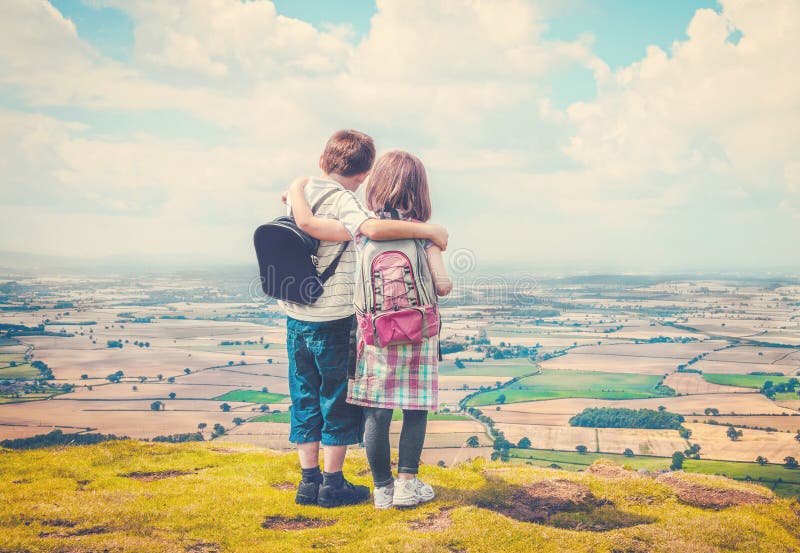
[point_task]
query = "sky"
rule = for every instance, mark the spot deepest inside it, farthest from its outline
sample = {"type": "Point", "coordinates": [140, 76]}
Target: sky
{"type": "Point", "coordinates": [569, 135]}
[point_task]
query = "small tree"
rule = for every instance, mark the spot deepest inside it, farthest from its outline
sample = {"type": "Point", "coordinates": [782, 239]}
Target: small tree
{"type": "Point", "coordinates": [797, 436]}
{"type": "Point", "coordinates": [156, 406]}
{"type": "Point", "coordinates": [440, 463]}
{"type": "Point", "coordinates": [628, 452]}
{"type": "Point", "coordinates": [238, 420]}
{"type": "Point", "coordinates": [171, 380]}
{"type": "Point", "coordinates": [135, 388]}
{"type": "Point", "coordinates": [172, 395]}
{"type": "Point", "coordinates": [677, 461]}
{"type": "Point", "coordinates": [761, 460]}
{"type": "Point", "coordinates": [501, 399]}
{"type": "Point", "coordinates": [264, 390]}
{"type": "Point", "coordinates": [790, 462]}
{"type": "Point", "coordinates": [734, 434]}
{"type": "Point", "coordinates": [187, 370]}
{"type": "Point", "coordinates": [581, 449]}
{"type": "Point", "coordinates": [219, 430]}
{"type": "Point", "coordinates": [201, 426]}
{"type": "Point", "coordinates": [84, 377]}
{"type": "Point", "coordinates": [472, 441]}
{"type": "Point", "coordinates": [225, 407]}
{"type": "Point", "coordinates": [524, 443]}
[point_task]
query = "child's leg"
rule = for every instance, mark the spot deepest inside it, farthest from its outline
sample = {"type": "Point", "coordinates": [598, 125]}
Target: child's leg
{"type": "Point", "coordinates": [376, 442]}
{"type": "Point", "coordinates": [412, 438]}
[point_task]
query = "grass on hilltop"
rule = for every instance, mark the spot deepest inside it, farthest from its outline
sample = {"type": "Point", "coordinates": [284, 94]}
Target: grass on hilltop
{"type": "Point", "coordinates": [202, 497]}
{"type": "Point", "coordinates": [785, 482]}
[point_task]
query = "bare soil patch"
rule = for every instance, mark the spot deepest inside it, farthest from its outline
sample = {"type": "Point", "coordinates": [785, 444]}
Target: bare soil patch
{"type": "Point", "coordinates": [434, 522]}
{"type": "Point", "coordinates": [283, 486]}
{"type": "Point", "coordinates": [150, 476]}
{"type": "Point", "coordinates": [74, 533]}
{"type": "Point", "coordinates": [563, 504]}
{"type": "Point", "coordinates": [289, 524]}
{"type": "Point", "coordinates": [707, 497]}
{"type": "Point", "coordinates": [203, 547]}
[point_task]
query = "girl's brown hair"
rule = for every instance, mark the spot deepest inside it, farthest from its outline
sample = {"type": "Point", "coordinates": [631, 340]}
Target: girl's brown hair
{"type": "Point", "coordinates": [399, 181]}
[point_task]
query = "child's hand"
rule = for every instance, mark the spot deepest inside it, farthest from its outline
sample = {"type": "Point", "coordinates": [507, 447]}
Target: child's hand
{"type": "Point", "coordinates": [440, 236]}
{"type": "Point", "coordinates": [299, 182]}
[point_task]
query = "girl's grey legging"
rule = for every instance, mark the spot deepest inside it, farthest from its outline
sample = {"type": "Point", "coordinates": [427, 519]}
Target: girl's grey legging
{"type": "Point", "coordinates": [376, 441]}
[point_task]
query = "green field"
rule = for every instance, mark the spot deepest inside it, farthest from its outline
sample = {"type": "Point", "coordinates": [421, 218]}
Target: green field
{"type": "Point", "coordinates": [554, 384]}
{"type": "Point", "coordinates": [743, 380]}
{"type": "Point", "coordinates": [252, 396]}
{"type": "Point", "coordinates": [519, 367]}
{"type": "Point", "coordinates": [786, 396]}
{"type": "Point", "coordinates": [784, 482]}
{"type": "Point", "coordinates": [283, 417]}
{"type": "Point", "coordinates": [23, 371]}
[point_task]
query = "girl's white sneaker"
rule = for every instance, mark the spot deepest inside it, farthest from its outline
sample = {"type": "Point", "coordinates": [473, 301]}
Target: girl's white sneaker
{"type": "Point", "coordinates": [424, 491]}
{"type": "Point", "coordinates": [405, 493]}
{"type": "Point", "coordinates": [384, 496]}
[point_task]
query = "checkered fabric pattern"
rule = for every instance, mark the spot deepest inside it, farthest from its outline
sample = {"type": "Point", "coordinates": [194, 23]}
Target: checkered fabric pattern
{"type": "Point", "coordinates": [403, 376]}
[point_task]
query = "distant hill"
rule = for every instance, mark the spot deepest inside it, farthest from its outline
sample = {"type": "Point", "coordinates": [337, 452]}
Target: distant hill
{"type": "Point", "coordinates": [211, 497]}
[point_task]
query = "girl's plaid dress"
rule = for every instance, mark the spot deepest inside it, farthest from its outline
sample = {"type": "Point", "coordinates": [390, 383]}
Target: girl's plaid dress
{"type": "Point", "coordinates": [403, 376]}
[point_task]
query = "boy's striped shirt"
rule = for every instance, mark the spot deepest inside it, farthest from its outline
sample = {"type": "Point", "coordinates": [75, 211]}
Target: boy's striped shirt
{"type": "Point", "coordinates": [336, 301]}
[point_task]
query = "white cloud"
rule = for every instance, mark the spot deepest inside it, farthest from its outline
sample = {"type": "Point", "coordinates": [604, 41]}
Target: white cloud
{"type": "Point", "coordinates": [461, 83]}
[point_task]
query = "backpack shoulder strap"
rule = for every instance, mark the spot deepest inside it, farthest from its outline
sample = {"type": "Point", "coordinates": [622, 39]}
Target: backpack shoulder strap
{"type": "Point", "coordinates": [331, 268]}
{"type": "Point", "coordinates": [319, 202]}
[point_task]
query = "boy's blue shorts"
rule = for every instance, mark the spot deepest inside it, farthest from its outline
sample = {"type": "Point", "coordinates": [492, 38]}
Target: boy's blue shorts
{"type": "Point", "coordinates": [320, 355]}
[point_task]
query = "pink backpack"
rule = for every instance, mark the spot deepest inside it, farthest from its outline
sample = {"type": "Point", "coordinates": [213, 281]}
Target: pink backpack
{"type": "Point", "coordinates": [395, 297]}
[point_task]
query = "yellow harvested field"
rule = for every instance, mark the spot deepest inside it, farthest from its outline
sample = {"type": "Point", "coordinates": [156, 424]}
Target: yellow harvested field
{"type": "Point", "coordinates": [521, 417]}
{"type": "Point", "coordinates": [750, 354]}
{"type": "Point", "coordinates": [123, 418]}
{"type": "Point", "coordinates": [449, 382]}
{"type": "Point", "coordinates": [693, 383]}
{"type": "Point", "coordinates": [11, 432]}
{"type": "Point", "coordinates": [564, 438]}
{"type": "Point", "coordinates": [153, 391]}
{"type": "Point", "coordinates": [753, 403]}
{"type": "Point", "coordinates": [730, 367]}
{"type": "Point", "coordinates": [445, 427]}
{"type": "Point", "coordinates": [641, 441]}
{"type": "Point", "coordinates": [715, 444]}
{"type": "Point", "coordinates": [454, 455]}
{"type": "Point", "coordinates": [782, 423]}
{"type": "Point", "coordinates": [613, 363]}
{"type": "Point", "coordinates": [678, 351]}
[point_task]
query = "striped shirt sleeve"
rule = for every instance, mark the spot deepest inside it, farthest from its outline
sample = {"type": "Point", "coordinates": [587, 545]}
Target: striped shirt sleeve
{"type": "Point", "coordinates": [350, 212]}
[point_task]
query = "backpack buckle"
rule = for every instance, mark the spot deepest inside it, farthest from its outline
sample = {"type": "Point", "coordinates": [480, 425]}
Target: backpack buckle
{"type": "Point", "coordinates": [315, 260]}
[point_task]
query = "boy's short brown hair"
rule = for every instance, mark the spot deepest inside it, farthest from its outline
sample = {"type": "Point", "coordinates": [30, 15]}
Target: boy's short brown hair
{"type": "Point", "coordinates": [348, 153]}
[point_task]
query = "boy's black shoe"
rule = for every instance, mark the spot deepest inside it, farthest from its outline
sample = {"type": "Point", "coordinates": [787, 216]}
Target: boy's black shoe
{"type": "Point", "coordinates": [307, 493]}
{"type": "Point", "coordinates": [346, 494]}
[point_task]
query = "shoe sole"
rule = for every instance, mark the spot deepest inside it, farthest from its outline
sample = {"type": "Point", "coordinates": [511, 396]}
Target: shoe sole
{"type": "Point", "coordinates": [411, 503]}
{"type": "Point", "coordinates": [332, 504]}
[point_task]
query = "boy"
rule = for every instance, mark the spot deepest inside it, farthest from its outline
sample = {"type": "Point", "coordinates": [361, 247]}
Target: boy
{"type": "Point", "coordinates": [320, 338]}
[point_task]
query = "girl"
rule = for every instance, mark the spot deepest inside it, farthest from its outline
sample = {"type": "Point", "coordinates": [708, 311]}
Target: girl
{"type": "Point", "coordinates": [399, 376]}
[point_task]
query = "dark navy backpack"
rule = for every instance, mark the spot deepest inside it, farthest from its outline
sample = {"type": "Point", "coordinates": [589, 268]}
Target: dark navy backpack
{"type": "Point", "coordinates": [287, 260]}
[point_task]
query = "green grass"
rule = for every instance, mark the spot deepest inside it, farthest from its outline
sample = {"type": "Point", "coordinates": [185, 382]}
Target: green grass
{"type": "Point", "coordinates": [785, 482]}
{"type": "Point", "coordinates": [786, 396]}
{"type": "Point", "coordinates": [252, 396]}
{"type": "Point", "coordinates": [283, 417]}
{"type": "Point", "coordinates": [20, 372]}
{"type": "Point", "coordinates": [519, 367]}
{"type": "Point", "coordinates": [743, 380]}
{"type": "Point", "coordinates": [213, 498]}
{"type": "Point", "coordinates": [554, 384]}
